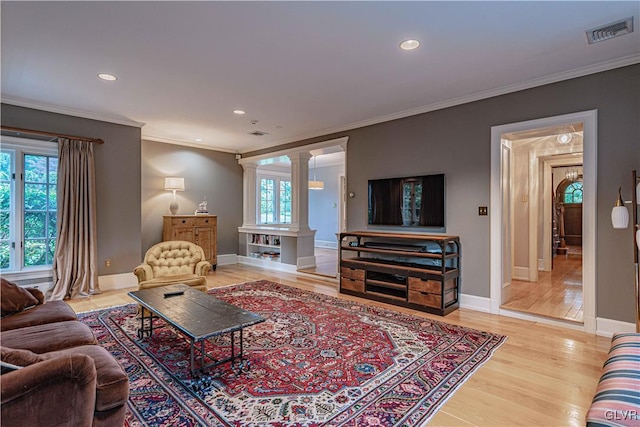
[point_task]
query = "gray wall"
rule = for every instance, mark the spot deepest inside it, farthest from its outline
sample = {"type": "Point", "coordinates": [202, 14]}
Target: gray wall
{"type": "Point", "coordinates": [457, 141]}
{"type": "Point", "coordinates": [117, 163]}
{"type": "Point", "coordinates": [323, 205]}
{"type": "Point", "coordinates": [211, 174]}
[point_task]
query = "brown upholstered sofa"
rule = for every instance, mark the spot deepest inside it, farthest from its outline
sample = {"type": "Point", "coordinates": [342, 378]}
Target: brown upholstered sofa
{"type": "Point", "coordinates": [171, 262]}
{"type": "Point", "coordinates": [53, 373]}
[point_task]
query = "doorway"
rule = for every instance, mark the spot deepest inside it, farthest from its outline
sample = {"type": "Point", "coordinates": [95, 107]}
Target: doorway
{"type": "Point", "coordinates": [327, 212]}
{"type": "Point", "coordinates": [533, 262]}
{"type": "Point", "coordinates": [556, 291]}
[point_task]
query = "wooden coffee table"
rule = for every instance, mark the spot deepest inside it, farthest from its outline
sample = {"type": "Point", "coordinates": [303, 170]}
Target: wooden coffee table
{"type": "Point", "coordinates": [198, 316]}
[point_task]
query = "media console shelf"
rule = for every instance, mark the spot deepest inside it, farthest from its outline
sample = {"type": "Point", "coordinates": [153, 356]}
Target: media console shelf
{"type": "Point", "coordinates": [418, 271]}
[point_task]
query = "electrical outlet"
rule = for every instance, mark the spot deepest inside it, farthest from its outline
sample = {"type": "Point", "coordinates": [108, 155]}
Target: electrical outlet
{"type": "Point", "coordinates": [107, 263]}
{"type": "Point", "coordinates": [483, 210]}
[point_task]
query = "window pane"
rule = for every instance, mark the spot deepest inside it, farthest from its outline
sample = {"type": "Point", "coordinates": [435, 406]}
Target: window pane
{"type": "Point", "coordinates": [4, 225]}
{"type": "Point", "coordinates": [5, 196]}
{"type": "Point", "coordinates": [53, 198]}
{"type": "Point", "coordinates": [35, 168]}
{"type": "Point", "coordinates": [35, 197]}
{"type": "Point", "coordinates": [267, 200]}
{"type": "Point", "coordinates": [34, 224]}
{"type": "Point", "coordinates": [51, 226]}
{"type": "Point", "coordinates": [577, 196]}
{"type": "Point", "coordinates": [285, 202]}
{"type": "Point", "coordinates": [4, 254]}
{"type": "Point", "coordinates": [35, 252]}
{"type": "Point", "coordinates": [53, 170]}
{"type": "Point", "coordinates": [51, 249]}
{"type": "Point", "coordinates": [5, 166]}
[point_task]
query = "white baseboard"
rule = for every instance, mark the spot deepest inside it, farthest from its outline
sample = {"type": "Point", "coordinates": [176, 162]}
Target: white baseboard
{"type": "Point", "coordinates": [473, 302]}
{"type": "Point", "coordinates": [326, 244]}
{"type": "Point", "coordinates": [264, 263]}
{"type": "Point", "coordinates": [541, 266]}
{"type": "Point", "coordinates": [227, 259]}
{"type": "Point", "coordinates": [117, 281]}
{"type": "Point", "coordinates": [306, 262]}
{"type": "Point", "coordinates": [521, 273]}
{"type": "Point", "coordinates": [607, 327]}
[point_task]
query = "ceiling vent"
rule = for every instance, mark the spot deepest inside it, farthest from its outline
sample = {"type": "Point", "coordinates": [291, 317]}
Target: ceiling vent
{"type": "Point", "coordinates": [258, 133]}
{"type": "Point", "coordinates": [609, 31]}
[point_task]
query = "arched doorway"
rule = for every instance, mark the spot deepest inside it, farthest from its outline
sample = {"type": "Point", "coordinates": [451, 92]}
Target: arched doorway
{"type": "Point", "coordinates": [568, 216]}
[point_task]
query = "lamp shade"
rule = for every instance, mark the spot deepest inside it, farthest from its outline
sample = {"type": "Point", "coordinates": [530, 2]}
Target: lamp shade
{"type": "Point", "coordinates": [316, 185]}
{"type": "Point", "coordinates": [174, 183]}
{"type": "Point", "coordinates": [620, 217]}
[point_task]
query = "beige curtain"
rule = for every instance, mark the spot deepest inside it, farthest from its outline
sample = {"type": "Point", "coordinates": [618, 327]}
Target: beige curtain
{"type": "Point", "coordinates": [75, 266]}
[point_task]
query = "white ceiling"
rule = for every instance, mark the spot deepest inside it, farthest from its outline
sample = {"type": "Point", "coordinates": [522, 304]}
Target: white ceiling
{"type": "Point", "coordinates": [301, 69]}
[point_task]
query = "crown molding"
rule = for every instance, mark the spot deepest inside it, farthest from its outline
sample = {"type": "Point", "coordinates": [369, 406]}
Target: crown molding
{"type": "Point", "coordinates": [503, 90]}
{"type": "Point", "coordinates": [20, 102]}
{"type": "Point", "coordinates": [187, 144]}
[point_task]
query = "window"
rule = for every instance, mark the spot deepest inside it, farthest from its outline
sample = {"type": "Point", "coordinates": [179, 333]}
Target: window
{"type": "Point", "coordinates": [573, 193]}
{"type": "Point", "coordinates": [28, 204]}
{"type": "Point", "coordinates": [274, 200]}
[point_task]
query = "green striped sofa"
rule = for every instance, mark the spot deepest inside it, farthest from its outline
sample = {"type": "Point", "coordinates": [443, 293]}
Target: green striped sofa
{"type": "Point", "coordinates": [617, 399]}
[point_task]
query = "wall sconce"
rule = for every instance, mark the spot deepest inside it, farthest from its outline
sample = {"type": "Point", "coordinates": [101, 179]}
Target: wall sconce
{"type": "Point", "coordinates": [619, 213]}
{"type": "Point", "coordinates": [174, 184]}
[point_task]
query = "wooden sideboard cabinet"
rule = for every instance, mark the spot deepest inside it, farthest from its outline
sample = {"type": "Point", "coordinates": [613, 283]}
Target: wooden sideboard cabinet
{"type": "Point", "coordinates": [411, 270]}
{"type": "Point", "coordinates": [198, 229]}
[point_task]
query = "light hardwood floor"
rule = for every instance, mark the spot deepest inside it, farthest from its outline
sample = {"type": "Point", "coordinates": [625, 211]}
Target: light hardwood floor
{"type": "Point", "coordinates": [541, 376]}
{"type": "Point", "coordinates": [557, 294]}
{"type": "Point", "coordinates": [326, 263]}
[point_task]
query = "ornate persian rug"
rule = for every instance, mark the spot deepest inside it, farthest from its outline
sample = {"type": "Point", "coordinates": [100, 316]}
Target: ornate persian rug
{"type": "Point", "coordinates": [316, 361]}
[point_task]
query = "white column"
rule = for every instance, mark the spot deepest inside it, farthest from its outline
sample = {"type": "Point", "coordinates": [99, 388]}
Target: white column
{"type": "Point", "coordinates": [300, 191]}
{"type": "Point", "coordinates": [249, 186]}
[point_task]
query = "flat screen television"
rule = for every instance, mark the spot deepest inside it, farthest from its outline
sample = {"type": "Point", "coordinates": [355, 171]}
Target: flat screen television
{"type": "Point", "coordinates": [415, 201]}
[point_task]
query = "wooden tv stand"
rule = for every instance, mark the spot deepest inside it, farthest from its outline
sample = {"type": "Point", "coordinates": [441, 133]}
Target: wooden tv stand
{"type": "Point", "coordinates": [417, 271]}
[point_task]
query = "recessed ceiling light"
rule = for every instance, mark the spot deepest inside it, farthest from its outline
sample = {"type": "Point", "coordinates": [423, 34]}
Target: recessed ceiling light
{"type": "Point", "coordinates": [198, 139]}
{"type": "Point", "coordinates": [564, 138]}
{"type": "Point", "coordinates": [240, 112]}
{"type": "Point", "coordinates": [409, 44]}
{"type": "Point", "coordinates": [108, 77]}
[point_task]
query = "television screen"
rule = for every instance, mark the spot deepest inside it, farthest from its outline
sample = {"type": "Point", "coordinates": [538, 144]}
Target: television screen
{"type": "Point", "coordinates": [416, 201]}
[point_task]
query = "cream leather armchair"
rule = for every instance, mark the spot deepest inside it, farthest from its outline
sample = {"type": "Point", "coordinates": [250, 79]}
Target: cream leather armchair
{"type": "Point", "coordinates": [175, 261]}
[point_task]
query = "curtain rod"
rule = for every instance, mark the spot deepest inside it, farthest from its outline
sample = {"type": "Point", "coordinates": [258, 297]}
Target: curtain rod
{"type": "Point", "coordinates": [57, 135]}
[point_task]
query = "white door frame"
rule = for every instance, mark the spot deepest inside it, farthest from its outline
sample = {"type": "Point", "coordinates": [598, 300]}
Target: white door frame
{"type": "Point", "coordinates": [590, 141]}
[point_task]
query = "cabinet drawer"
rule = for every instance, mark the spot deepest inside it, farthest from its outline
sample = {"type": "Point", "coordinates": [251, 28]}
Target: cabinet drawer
{"type": "Point", "coordinates": [430, 286]}
{"type": "Point", "coordinates": [183, 222]}
{"type": "Point", "coordinates": [420, 298]}
{"type": "Point", "coordinates": [352, 273]}
{"type": "Point", "coordinates": [205, 221]}
{"type": "Point", "coordinates": [352, 284]}
{"type": "Point", "coordinates": [424, 285]}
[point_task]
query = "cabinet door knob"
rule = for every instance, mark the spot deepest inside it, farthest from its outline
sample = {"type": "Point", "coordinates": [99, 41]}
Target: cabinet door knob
{"type": "Point", "coordinates": [184, 220]}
